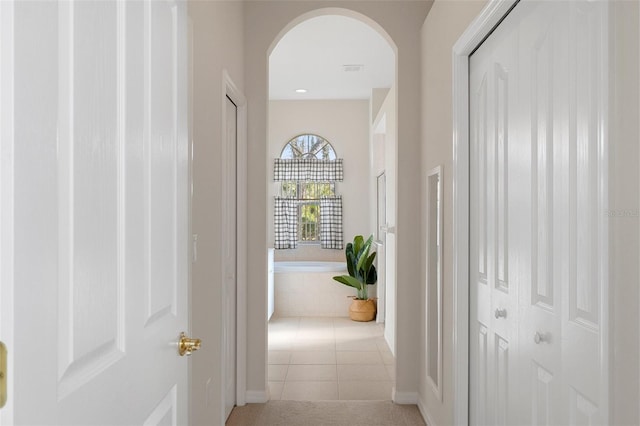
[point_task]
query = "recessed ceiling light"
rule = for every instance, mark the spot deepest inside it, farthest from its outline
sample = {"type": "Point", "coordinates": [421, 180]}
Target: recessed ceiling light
{"type": "Point", "coordinates": [301, 90]}
{"type": "Point", "coordinates": [352, 67]}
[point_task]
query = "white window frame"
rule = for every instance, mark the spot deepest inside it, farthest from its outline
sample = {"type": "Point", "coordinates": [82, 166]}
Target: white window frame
{"type": "Point", "coordinates": [303, 201]}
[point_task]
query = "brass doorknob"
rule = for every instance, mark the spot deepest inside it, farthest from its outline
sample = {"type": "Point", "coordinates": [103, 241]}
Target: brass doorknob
{"type": "Point", "coordinates": [186, 345]}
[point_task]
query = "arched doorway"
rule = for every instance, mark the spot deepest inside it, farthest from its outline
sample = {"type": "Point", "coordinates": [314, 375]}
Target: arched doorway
{"type": "Point", "coordinates": [268, 22]}
{"type": "Point", "coordinates": [331, 72]}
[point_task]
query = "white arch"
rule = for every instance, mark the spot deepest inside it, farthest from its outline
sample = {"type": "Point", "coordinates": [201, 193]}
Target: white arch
{"type": "Point", "coordinates": [340, 11]}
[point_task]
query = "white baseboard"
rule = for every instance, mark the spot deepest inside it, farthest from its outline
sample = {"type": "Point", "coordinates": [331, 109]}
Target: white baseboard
{"type": "Point", "coordinates": [425, 413]}
{"type": "Point", "coordinates": [404, 398]}
{"type": "Point", "coordinates": [257, 397]}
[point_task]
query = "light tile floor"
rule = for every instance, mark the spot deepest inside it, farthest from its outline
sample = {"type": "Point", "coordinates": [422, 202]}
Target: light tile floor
{"type": "Point", "coordinates": [313, 359]}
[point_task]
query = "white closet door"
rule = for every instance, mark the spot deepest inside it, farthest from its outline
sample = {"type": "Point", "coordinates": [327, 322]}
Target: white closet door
{"type": "Point", "coordinates": [100, 202]}
{"type": "Point", "coordinates": [495, 206]}
{"type": "Point", "coordinates": [537, 111]}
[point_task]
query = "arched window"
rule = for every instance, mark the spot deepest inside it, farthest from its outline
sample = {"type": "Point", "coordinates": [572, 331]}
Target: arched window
{"type": "Point", "coordinates": [308, 193]}
{"type": "Point", "coordinates": [308, 146]}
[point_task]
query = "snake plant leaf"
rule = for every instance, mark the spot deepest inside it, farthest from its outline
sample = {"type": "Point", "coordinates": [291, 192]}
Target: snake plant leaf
{"type": "Point", "coordinates": [350, 281]}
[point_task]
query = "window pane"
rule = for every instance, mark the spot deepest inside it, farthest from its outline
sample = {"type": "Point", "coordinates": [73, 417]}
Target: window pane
{"type": "Point", "coordinates": [289, 189]}
{"type": "Point", "coordinates": [326, 189]}
{"type": "Point", "coordinates": [314, 190]}
{"type": "Point", "coordinates": [287, 152]}
{"type": "Point", "coordinates": [308, 146]}
{"type": "Point", "coordinates": [309, 215]}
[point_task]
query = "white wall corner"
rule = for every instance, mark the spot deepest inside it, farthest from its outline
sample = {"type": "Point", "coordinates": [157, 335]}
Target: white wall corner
{"type": "Point", "coordinates": [424, 411]}
{"type": "Point", "coordinates": [257, 397]}
{"type": "Point", "coordinates": [404, 398]}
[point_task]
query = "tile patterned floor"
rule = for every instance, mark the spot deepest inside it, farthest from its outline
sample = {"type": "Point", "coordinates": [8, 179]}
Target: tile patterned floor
{"type": "Point", "coordinates": [315, 359]}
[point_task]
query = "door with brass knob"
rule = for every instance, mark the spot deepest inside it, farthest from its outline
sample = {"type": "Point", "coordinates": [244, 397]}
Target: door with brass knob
{"type": "Point", "coordinates": [187, 345]}
{"type": "Point", "coordinates": [90, 312]}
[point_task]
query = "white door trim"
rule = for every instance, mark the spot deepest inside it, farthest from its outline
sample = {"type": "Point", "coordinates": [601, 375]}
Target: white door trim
{"type": "Point", "coordinates": [479, 29]}
{"type": "Point", "coordinates": [230, 89]}
{"type": "Point", "coordinates": [475, 34]}
{"type": "Point", "coordinates": [6, 195]}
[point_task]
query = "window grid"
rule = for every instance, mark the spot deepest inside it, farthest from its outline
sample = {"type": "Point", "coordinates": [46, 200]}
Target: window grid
{"type": "Point", "coordinates": [308, 195]}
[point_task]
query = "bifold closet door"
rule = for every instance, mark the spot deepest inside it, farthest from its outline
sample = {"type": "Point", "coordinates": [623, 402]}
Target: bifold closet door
{"type": "Point", "coordinates": [537, 96]}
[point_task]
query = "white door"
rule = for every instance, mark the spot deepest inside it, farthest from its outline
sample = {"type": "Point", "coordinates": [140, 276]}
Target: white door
{"type": "Point", "coordinates": [98, 192]}
{"type": "Point", "coordinates": [536, 255]}
{"type": "Point", "coordinates": [494, 231]}
{"type": "Point", "coordinates": [230, 233]}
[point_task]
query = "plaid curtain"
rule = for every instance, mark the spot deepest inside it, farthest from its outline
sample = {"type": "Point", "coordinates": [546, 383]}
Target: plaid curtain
{"type": "Point", "coordinates": [286, 222]}
{"type": "Point", "coordinates": [307, 169]}
{"type": "Point", "coordinates": [331, 222]}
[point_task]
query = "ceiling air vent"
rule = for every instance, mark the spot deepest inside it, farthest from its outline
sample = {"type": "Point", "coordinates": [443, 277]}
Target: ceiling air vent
{"type": "Point", "coordinates": [352, 67]}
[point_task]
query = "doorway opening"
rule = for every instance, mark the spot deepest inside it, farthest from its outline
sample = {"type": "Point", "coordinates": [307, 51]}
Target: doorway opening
{"type": "Point", "coordinates": [333, 76]}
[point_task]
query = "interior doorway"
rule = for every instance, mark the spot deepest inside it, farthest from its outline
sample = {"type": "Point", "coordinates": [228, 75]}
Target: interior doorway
{"type": "Point", "coordinates": [234, 234]}
{"type": "Point", "coordinates": [318, 84]}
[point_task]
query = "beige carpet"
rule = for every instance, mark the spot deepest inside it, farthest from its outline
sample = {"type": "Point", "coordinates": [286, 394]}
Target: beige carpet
{"type": "Point", "coordinates": [326, 413]}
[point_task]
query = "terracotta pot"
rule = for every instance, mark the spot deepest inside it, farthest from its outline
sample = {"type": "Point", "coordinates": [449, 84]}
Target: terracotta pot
{"type": "Point", "coordinates": [362, 310]}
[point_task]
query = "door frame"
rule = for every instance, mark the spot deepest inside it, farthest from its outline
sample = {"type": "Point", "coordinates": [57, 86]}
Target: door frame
{"type": "Point", "coordinates": [231, 90]}
{"type": "Point", "coordinates": [488, 19]}
{"type": "Point", "coordinates": [7, 144]}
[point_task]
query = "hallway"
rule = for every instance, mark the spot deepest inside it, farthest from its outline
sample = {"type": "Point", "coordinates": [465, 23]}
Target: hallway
{"type": "Point", "coordinates": [314, 359]}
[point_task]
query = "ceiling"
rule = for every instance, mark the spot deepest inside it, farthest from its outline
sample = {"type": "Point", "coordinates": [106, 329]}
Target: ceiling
{"type": "Point", "coordinates": [313, 55]}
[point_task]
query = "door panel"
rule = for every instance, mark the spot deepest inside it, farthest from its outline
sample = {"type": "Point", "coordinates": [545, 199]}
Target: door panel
{"type": "Point", "coordinates": [536, 88]}
{"type": "Point", "coordinates": [100, 200]}
{"type": "Point", "coordinates": [502, 381]}
{"type": "Point", "coordinates": [90, 229]}
{"type": "Point", "coordinates": [501, 139]}
{"type": "Point", "coordinates": [161, 144]}
{"type": "Point", "coordinates": [541, 395]}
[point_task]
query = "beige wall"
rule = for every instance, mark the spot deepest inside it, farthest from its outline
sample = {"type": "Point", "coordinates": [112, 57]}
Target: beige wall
{"type": "Point", "coordinates": [345, 124]}
{"type": "Point", "coordinates": [446, 22]}
{"type": "Point", "coordinates": [216, 40]}
{"type": "Point", "coordinates": [624, 276]}
{"type": "Point", "coordinates": [265, 22]}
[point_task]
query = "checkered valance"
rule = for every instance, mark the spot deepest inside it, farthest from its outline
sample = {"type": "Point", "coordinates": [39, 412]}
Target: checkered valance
{"type": "Point", "coordinates": [331, 222]}
{"type": "Point", "coordinates": [307, 169]}
{"type": "Point", "coordinates": [285, 222]}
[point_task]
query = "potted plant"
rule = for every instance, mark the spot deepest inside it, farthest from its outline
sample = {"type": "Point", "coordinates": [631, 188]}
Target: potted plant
{"type": "Point", "coordinates": [362, 273]}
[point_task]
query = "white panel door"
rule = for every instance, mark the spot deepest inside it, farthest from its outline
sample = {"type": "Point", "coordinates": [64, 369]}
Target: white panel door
{"type": "Point", "coordinates": [99, 200]}
{"type": "Point", "coordinates": [494, 232]}
{"type": "Point", "coordinates": [537, 111]}
{"type": "Point", "coordinates": [230, 244]}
